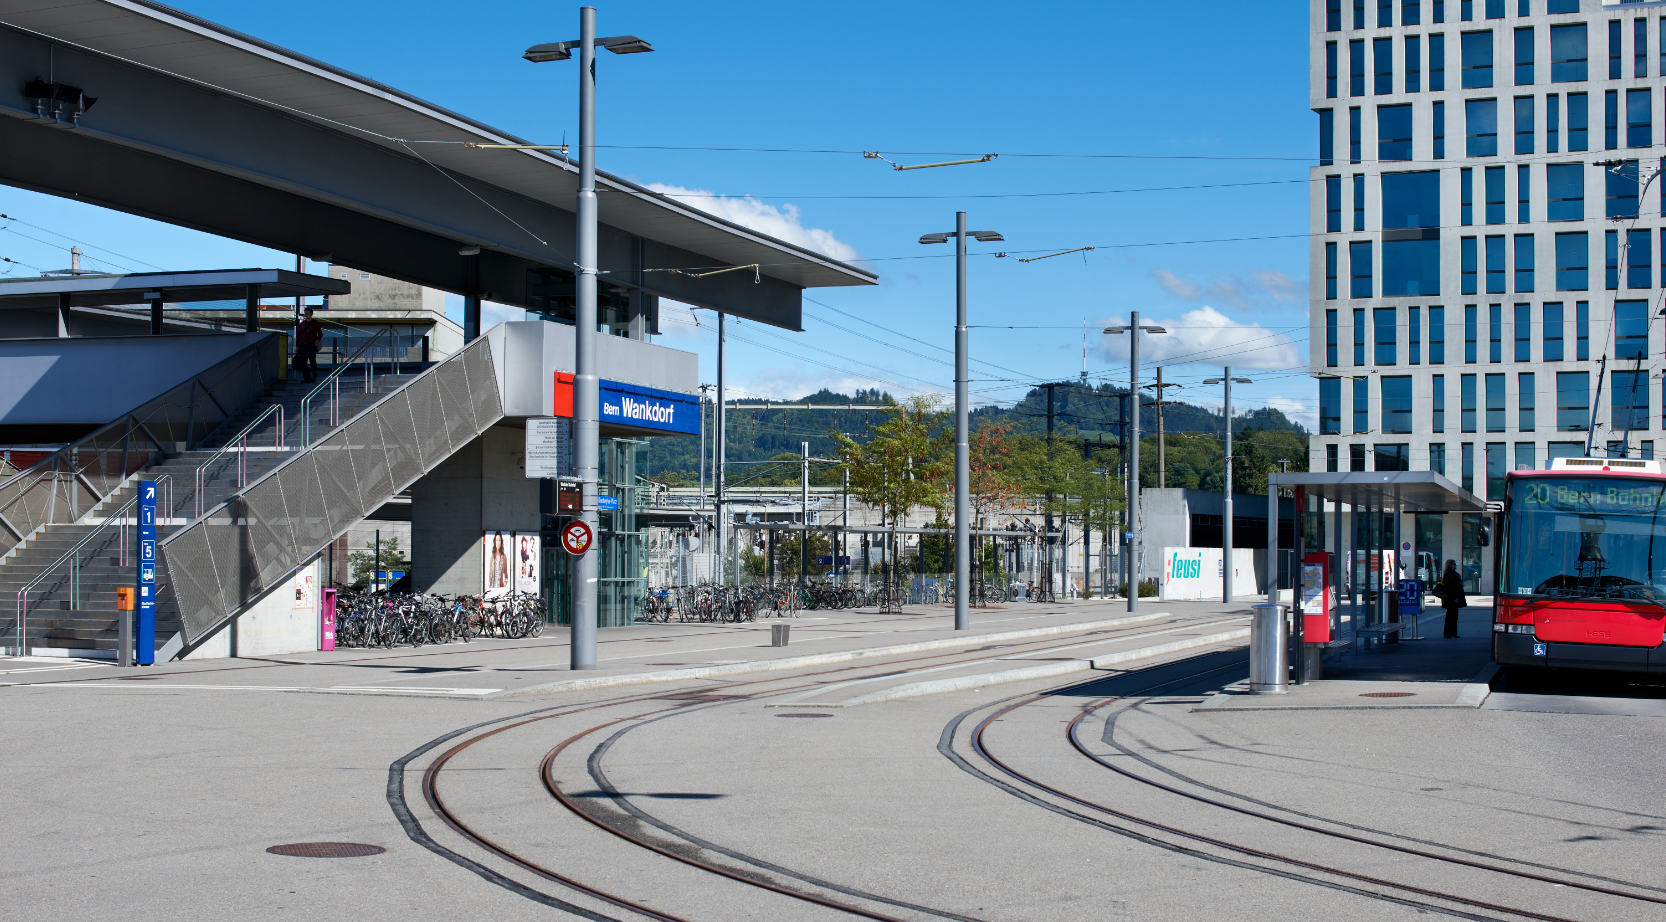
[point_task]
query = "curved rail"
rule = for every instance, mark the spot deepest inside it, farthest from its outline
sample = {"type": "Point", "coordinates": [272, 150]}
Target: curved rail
{"type": "Point", "coordinates": [332, 383]}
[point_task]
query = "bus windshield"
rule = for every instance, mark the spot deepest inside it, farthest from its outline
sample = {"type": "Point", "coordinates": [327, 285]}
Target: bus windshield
{"type": "Point", "coordinates": [1587, 537]}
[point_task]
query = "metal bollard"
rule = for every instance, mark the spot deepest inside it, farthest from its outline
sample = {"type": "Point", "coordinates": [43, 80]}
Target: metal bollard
{"type": "Point", "coordinates": [778, 634]}
{"type": "Point", "coordinates": [1269, 653]}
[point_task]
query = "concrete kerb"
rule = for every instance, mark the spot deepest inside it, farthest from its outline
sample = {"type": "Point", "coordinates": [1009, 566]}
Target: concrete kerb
{"type": "Point", "coordinates": [1473, 694]}
{"type": "Point", "coordinates": [963, 683]}
{"type": "Point", "coordinates": [818, 659]}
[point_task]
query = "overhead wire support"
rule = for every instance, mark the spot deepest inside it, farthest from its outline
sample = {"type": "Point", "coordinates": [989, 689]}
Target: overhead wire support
{"type": "Point", "coordinates": [474, 145]}
{"type": "Point", "coordinates": [1032, 259]}
{"type": "Point", "coordinates": [757, 271]}
{"type": "Point", "coordinates": [875, 155]}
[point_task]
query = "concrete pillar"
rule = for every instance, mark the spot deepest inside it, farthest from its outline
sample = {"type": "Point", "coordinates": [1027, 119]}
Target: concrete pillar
{"type": "Point", "coordinates": [481, 488]}
{"type": "Point", "coordinates": [251, 309]}
{"type": "Point", "coordinates": [156, 316]}
{"type": "Point", "coordinates": [63, 315]}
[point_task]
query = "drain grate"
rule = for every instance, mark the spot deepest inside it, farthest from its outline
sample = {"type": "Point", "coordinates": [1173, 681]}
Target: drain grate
{"type": "Point", "coordinates": [1388, 694]}
{"type": "Point", "coordinates": [327, 850]}
{"type": "Point", "coordinates": [803, 715]}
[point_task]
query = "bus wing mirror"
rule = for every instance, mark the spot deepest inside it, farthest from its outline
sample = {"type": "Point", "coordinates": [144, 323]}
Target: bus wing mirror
{"type": "Point", "coordinates": [1483, 535]}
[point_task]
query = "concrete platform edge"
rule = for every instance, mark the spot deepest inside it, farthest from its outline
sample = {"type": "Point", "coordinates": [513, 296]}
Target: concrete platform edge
{"type": "Point", "coordinates": [1472, 696]}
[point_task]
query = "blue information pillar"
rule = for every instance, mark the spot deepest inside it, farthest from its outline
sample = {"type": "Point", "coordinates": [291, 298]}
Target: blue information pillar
{"type": "Point", "coordinates": [145, 629]}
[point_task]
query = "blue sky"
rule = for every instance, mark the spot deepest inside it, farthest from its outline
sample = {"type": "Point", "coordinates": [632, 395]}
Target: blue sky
{"type": "Point", "coordinates": [1223, 80]}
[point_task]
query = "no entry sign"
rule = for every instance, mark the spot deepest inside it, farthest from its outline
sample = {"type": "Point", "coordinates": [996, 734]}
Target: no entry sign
{"type": "Point", "coordinates": [576, 538]}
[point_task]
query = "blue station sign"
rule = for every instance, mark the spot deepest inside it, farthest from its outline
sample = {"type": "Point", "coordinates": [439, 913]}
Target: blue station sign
{"type": "Point", "coordinates": [649, 408]}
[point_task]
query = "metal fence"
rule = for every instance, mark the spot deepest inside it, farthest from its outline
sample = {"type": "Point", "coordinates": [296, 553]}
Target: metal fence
{"type": "Point", "coordinates": [236, 552]}
{"type": "Point", "coordinates": [72, 481]}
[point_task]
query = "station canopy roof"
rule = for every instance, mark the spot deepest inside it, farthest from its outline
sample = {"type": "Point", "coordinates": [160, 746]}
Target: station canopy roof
{"type": "Point", "coordinates": [1406, 491]}
{"type": "Point", "coordinates": [98, 290]}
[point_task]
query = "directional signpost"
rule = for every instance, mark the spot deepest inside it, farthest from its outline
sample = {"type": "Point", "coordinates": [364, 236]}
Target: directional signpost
{"type": "Point", "coordinates": [145, 630]}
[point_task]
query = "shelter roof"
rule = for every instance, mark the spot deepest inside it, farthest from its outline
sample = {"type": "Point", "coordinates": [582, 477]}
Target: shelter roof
{"type": "Point", "coordinates": [99, 290]}
{"type": "Point", "coordinates": [1406, 491]}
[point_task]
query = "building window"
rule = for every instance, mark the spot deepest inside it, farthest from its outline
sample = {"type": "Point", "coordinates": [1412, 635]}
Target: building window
{"type": "Point", "coordinates": [1553, 331]}
{"type": "Point", "coordinates": [1410, 14]}
{"type": "Point", "coordinates": [1495, 403]}
{"type": "Point", "coordinates": [1524, 332]}
{"type": "Point", "coordinates": [1356, 457]}
{"type": "Point", "coordinates": [1611, 249]}
{"type": "Point", "coordinates": [1579, 120]}
{"type": "Point", "coordinates": [1466, 467]}
{"type": "Point", "coordinates": [1524, 57]}
{"type": "Point", "coordinates": [1411, 199]}
{"type": "Point", "coordinates": [1639, 259]}
{"type": "Point", "coordinates": [1437, 335]}
{"type": "Point", "coordinates": [1629, 407]}
{"type": "Point", "coordinates": [1582, 331]}
{"type": "Point", "coordinates": [1565, 192]}
{"type": "Point", "coordinates": [1392, 457]}
{"type": "Point", "coordinates": [1437, 459]}
{"type": "Point", "coordinates": [1437, 63]}
{"type": "Point", "coordinates": [1385, 14]}
{"type": "Point", "coordinates": [1394, 132]}
{"type": "Point", "coordinates": [1411, 268]}
{"type": "Point", "coordinates": [1330, 457]}
{"type": "Point", "coordinates": [1359, 201]}
{"type": "Point", "coordinates": [1614, 50]}
{"type": "Point", "coordinates": [1438, 419]}
{"type": "Point", "coordinates": [1645, 449]}
{"type": "Point", "coordinates": [1466, 196]}
{"type": "Point", "coordinates": [1469, 334]}
{"type": "Point", "coordinates": [1466, 403]}
{"type": "Point", "coordinates": [1327, 136]}
{"type": "Point", "coordinates": [1382, 60]}
{"type": "Point", "coordinates": [1495, 194]}
{"type": "Point", "coordinates": [1330, 272]}
{"type": "Point", "coordinates": [1524, 194]}
{"type": "Point", "coordinates": [1333, 204]}
{"type": "Point", "coordinates": [1355, 136]}
{"type": "Point", "coordinates": [1639, 120]}
{"type": "Point", "coordinates": [1356, 67]}
{"type": "Point", "coordinates": [1477, 60]}
{"type": "Point", "coordinates": [1553, 124]}
{"type": "Point", "coordinates": [1640, 48]}
{"type": "Point", "coordinates": [1525, 452]}
{"type": "Point", "coordinates": [1567, 53]}
{"type": "Point", "coordinates": [1611, 119]}
{"type": "Point", "coordinates": [1359, 269]}
{"type": "Point", "coordinates": [1562, 6]}
{"type": "Point", "coordinates": [1495, 327]}
{"type": "Point", "coordinates": [1524, 124]}
{"type": "Point", "coordinates": [1526, 401]}
{"type": "Point", "coordinates": [1385, 336]}
{"type": "Point", "coordinates": [1359, 336]}
{"type": "Point", "coordinates": [1396, 402]}
{"type": "Point", "coordinates": [1333, 15]}
{"type": "Point", "coordinates": [1631, 329]}
{"type": "Point", "coordinates": [1362, 404]}
{"type": "Point", "coordinates": [1495, 266]}
{"type": "Point", "coordinates": [1330, 338]}
{"type": "Point", "coordinates": [1467, 266]}
{"type": "Point", "coordinates": [1440, 131]}
{"type": "Point", "coordinates": [1330, 70]}
{"type": "Point", "coordinates": [1573, 401]}
{"type": "Point", "coordinates": [1481, 127]}
{"type": "Point", "coordinates": [1359, 14]}
{"type": "Point", "coordinates": [1330, 406]}
{"type": "Point", "coordinates": [1495, 9]}
{"type": "Point", "coordinates": [1573, 261]}
{"type": "Point", "coordinates": [1414, 64]}
{"type": "Point", "coordinates": [1498, 464]}
{"type": "Point", "coordinates": [1524, 263]}
{"type": "Point", "coordinates": [1414, 336]}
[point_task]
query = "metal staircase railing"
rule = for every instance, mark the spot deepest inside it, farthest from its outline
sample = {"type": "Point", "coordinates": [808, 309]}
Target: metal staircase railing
{"type": "Point", "coordinates": [330, 388]}
{"type": "Point", "coordinates": [236, 552]}
{"type": "Point", "coordinates": [240, 444]}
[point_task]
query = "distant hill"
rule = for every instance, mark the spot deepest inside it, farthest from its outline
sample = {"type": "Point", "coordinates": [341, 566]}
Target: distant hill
{"type": "Point", "coordinates": [1096, 413]}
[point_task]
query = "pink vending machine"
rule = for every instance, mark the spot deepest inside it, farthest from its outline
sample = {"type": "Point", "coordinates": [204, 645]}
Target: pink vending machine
{"type": "Point", "coordinates": [327, 621]}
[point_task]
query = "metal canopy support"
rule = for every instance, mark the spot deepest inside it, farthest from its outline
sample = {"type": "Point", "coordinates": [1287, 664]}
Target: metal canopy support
{"type": "Point", "coordinates": [63, 314]}
{"type": "Point", "coordinates": [251, 309]}
{"type": "Point", "coordinates": [156, 316]}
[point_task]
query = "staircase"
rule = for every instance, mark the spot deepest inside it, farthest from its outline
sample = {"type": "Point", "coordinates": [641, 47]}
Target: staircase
{"type": "Point", "coordinates": [81, 619]}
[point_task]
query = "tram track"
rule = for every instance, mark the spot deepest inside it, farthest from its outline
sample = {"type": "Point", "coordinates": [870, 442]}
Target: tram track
{"type": "Point", "coordinates": [983, 749]}
{"type": "Point", "coordinates": [696, 699]}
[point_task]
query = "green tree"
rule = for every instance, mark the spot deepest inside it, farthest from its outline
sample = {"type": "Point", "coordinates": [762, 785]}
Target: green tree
{"type": "Point", "coordinates": [361, 563]}
{"type": "Point", "coordinates": [906, 463]}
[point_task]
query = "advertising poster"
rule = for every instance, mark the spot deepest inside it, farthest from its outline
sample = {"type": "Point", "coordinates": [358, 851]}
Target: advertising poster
{"type": "Point", "coordinates": [527, 561]}
{"type": "Point", "coordinates": [306, 587]}
{"type": "Point", "coordinates": [498, 548]}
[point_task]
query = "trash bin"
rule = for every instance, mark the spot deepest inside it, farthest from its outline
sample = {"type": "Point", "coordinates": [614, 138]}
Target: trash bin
{"type": "Point", "coordinates": [778, 634]}
{"type": "Point", "coordinates": [1269, 651]}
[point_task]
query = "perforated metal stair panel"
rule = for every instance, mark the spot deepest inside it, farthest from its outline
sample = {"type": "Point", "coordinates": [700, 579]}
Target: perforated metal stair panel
{"type": "Point", "coordinates": [235, 553]}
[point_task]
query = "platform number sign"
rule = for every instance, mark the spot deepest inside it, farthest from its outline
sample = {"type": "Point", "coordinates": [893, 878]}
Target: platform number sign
{"type": "Point", "coordinates": [144, 629]}
{"type": "Point", "coordinates": [576, 538]}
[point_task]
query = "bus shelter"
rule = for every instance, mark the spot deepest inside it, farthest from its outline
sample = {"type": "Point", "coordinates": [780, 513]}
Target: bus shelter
{"type": "Point", "coordinates": [1378, 500]}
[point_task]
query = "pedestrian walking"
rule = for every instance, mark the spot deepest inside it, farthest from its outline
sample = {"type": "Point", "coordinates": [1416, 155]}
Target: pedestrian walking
{"type": "Point", "coordinates": [309, 336]}
{"type": "Point", "coordinates": [1450, 591]}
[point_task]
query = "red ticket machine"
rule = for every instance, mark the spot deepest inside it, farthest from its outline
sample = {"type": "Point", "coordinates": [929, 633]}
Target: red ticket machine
{"type": "Point", "coordinates": [1318, 605]}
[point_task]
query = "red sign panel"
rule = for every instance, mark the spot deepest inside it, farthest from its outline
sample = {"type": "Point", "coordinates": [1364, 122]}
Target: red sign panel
{"type": "Point", "coordinates": [576, 538]}
{"type": "Point", "coordinates": [563, 395]}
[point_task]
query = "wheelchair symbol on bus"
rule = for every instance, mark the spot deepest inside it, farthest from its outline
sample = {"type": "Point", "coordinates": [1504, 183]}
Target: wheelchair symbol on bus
{"type": "Point", "coordinates": [1538, 649]}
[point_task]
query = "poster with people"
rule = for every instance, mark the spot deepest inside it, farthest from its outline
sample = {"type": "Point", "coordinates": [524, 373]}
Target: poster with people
{"type": "Point", "coordinates": [496, 559]}
{"type": "Point", "coordinates": [305, 587]}
{"type": "Point", "coordinates": [527, 560]}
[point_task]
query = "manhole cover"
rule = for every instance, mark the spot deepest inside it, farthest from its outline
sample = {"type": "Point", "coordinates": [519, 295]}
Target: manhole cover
{"type": "Point", "coordinates": [327, 850]}
{"type": "Point", "coordinates": [1388, 694]}
{"type": "Point", "coordinates": [803, 715]}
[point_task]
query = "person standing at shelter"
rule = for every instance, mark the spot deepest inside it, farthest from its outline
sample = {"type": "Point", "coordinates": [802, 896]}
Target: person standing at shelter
{"type": "Point", "coordinates": [1450, 591]}
{"type": "Point", "coordinates": [309, 336]}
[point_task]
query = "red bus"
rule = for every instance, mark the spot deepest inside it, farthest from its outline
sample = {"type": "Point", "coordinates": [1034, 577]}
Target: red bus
{"type": "Point", "coordinates": [1580, 567]}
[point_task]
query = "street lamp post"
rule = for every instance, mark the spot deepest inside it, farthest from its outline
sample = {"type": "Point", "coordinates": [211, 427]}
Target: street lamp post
{"type": "Point", "coordinates": [1226, 515]}
{"type": "Point", "coordinates": [962, 448]}
{"type": "Point", "coordinates": [1133, 330]}
{"type": "Point", "coordinates": [586, 429]}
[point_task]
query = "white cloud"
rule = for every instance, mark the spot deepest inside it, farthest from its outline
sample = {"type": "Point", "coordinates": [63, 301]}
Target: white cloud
{"type": "Point", "coordinates": [1263, 285]}
{"type": "Point", "coordinates": [780, 222]}
{"type": "Point", "coordinates": [1176, 286]}
{"type": "Point", "coordinates": [1206, 336]}
{"type": "Point", "coordinates": [1301, 411]}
